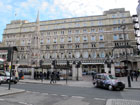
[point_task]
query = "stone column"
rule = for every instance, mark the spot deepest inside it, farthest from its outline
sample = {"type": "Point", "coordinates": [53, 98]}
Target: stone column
{"type": "Point", "coordinates": [32, 73]}
{"type": "Point", "coordinates": [112, 69]}
{"type": "Point", "coordinates": [80, 73]}
{"type": "Point", "coordinates": [74, 72]}
{"type": "Point", "coordinates": [106, 68]}
{"type": "Point", "coordinates": [52, 68]}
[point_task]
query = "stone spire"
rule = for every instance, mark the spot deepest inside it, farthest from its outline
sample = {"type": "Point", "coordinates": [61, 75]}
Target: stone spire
{"type": "Point", "coordinates": [35, 44]}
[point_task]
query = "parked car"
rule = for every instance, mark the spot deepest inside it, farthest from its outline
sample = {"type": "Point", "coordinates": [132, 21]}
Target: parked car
{"type": "Point", "coordinates": [2, 77]}
{"type": "Point", "coordinates": [5, 77]}
{"type": "Point", "coordinates": [13, 78]}
{"type": "Point", "coordinates": [108, 81]}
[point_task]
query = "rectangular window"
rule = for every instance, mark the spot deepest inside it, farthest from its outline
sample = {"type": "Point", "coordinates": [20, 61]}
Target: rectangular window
{"type": "Point", "coordinates": [92, 30]}
{"type": "Point", "coordinates": [77, 46]}
{"type": "Point", "coordinates": [84, 30]}
{"type": "Point", "coordinates": [77, 39]}
{"type": "Point", "coordinates": [100, 29]}
{"type": "Point", "coordinates": [69, 46]}
{"type": "Point", "coordinates": [69, 39]}
{"type": "Point", "coordinates": [85, 45]}
{"type": "Point", "coordinates": [47, 47]}
{"type": "Point", "coordinates": [62, 40]}
{"type": "Point", "coordinates": [48, 40]}
{"type": "Point", "coordinates": [85, 38]}
{"type": "Point", "coordinates": [93, 45]}
{"type": "Point", "coordinates": [101, 45]}
{"type": "Point", "coordinates": [77, 31]}
{"type": "Point", "coordinates": [115, 37]}
{"type": "Point", "coordinates": [54, 40]}
{"type": "Point", "coordinates": [62, 46]}
{"type": "Point", "coordinates": [69, 32]}
{"type": "Point", "coordinates": [62, 32]}
{"type": "Point", "coordinates": [101, 37]}
{"type": "Point", "coordinates": [92, 38]}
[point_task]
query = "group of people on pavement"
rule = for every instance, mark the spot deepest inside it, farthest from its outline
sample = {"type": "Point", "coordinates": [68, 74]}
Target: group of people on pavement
{"type": "Point", "coordinates": [134, 74]}
{"type": "Point", "coordinates": [52, 76]}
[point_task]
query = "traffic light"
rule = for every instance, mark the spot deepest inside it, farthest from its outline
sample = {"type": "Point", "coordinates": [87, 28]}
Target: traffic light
{"type": "Point", "coordinates": [68, 63]}
{"type": "Point", "coordinates": [9, 55]}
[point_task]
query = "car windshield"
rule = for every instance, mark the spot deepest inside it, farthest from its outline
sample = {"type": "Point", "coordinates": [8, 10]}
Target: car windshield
{"type": "Point", "coordinates": [111, 77]}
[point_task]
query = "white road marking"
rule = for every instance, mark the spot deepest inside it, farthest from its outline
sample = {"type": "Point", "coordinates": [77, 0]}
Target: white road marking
{"type": "Point", "coordinates": [23, 103]}
{"type": "Point", "coordinates": [64, 95]}
{"type": "Point", "coordinates": [54, 94]}
{"type": "Point", "coordinates": [2, 99]}
{"type": "Point", "coordinates": [99, 99]}
{"type": "Point", "coordinates": [77, 97]}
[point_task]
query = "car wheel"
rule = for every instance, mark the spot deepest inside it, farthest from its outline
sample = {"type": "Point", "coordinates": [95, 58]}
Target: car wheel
{"type": "Point", "coordinates": [121, 89]}
{"type": "Point", "coordinates": [110, 87]}
{"type": "Point", "coordinates": [8, 81]}
{"type": "Point", "coordinates": [96, 84]}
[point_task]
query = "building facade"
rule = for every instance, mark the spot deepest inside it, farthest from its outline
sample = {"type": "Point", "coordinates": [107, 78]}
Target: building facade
{"type": "Point", "coordinates": [90, 39]}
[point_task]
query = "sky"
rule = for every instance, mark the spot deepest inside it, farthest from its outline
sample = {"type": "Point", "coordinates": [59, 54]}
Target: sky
{"type": "Point", "coordinates": [57, 9]}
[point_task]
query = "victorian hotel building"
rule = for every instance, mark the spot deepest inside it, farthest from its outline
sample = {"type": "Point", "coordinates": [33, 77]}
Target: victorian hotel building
{"type": "Point", "coordinates": [94, 40]}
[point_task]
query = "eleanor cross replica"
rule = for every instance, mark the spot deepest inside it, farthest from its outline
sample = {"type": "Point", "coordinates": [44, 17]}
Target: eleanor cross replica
{"type": "Point", "coordinates": [138, 12]}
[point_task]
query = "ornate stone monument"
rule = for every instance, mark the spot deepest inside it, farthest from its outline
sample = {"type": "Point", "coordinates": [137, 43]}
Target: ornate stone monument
{"type": "Point", "coordinates": [138, 12]}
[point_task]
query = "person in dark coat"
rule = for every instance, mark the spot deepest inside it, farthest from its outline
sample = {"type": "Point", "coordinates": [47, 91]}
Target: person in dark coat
{"type": "Point", "coordinates": [136, 75]}
{"type": "Point", "coordinates": [44, 75]}
{"type": "Point", "coordinates": [52, 78]}
{"type": "Point", "coordinates": [48, 74]}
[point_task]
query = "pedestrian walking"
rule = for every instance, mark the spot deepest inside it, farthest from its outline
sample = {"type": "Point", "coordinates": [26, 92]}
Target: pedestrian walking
{"type": "Point", "coordinates": [45, 75]}
{"type": "Point", "coordinates": [136, 75]}
{"type": "Point", "coordinates": [52, 78]}
{"type": "Point", "coordinates": [48, 74]}
{"type": "Point", "coordinates": [132, 75]}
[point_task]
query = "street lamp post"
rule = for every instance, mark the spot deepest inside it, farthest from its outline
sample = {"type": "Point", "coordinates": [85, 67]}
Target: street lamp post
{"type": "Point", "coordinates": [41, 62]}
{"type": "Point", "coordinates": [126, 64]}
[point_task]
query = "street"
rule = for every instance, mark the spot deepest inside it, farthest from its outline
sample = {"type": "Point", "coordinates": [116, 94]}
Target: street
{"type": "Point", "coordinates": [46, 94]}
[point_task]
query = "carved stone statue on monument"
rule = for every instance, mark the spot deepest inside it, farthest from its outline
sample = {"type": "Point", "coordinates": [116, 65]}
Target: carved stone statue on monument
{"type": "Point", "coordinates": [138, 12]}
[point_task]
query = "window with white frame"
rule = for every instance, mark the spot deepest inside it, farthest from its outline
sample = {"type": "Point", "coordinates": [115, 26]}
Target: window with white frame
{"type": "Point", "coordinates": [85, 38]}
{"type": "Point", "coordinates": [84, 30]}
{"type": "Point", "coordinates": [92, 23]}
{"type": "Point", "coordinates": [77, 39]}
{"type": "Point", "coordinates": [41, 41]}
{"type": "Point", "coordinates": [92, 38]}
{"type": "Point", "coordinates": [93, 54]}
{"type": "Point", "coordinates": [100, 23]}
{"type": "Point", "coordinates": [121, 36]}
{"type": "Point", "coordinates": [69, 46]}
{"type": "Point", "coordinates": [62, 46]}
{"type": "Point", "coordinates": [85, 45]}
{"type": "Point", "coordinates": [69, 39]}
{"type": "Point", "coordinates": [115, 37]}
{"type": "Point", "coordinates": [93, 45]}
{"type": "Point", "coordinates": [101, 37]}
{"type": "Point", "coordinates": [92, 30]}
{"type": "Point", "coordinates": [101, 45]}
{"type": "Point", "coordinates": [22, 42]}
{"type": "Point", "coordinates": [77, 31]}
{"type": "Point", "coordinates": [102, 55]}
{"type": "Point", "coordinates": [100, 29]}
{"type": "Point", "coordinates": [69, 32]}
{"type": "Point", "coordinates": [55, 33]}
{"type": "Point", "coordinates": [62, 39]}
{"type": "Point", "coordinates": [54, 40]}
{"type": "Point", "coordinates": [48, 40]}
{"type": "Point", "coordinates": [77, 24]}
{"type": "Point", "coordinates": [48, 33]}
{"type": "Point", "coordinates": [62, 32]}
{"type": "Point", "coordinates": [114, 21]}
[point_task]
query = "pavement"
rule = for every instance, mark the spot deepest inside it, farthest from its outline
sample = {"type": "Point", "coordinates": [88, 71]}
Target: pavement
{"type": "Point", "coordinates": [134, 85]}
